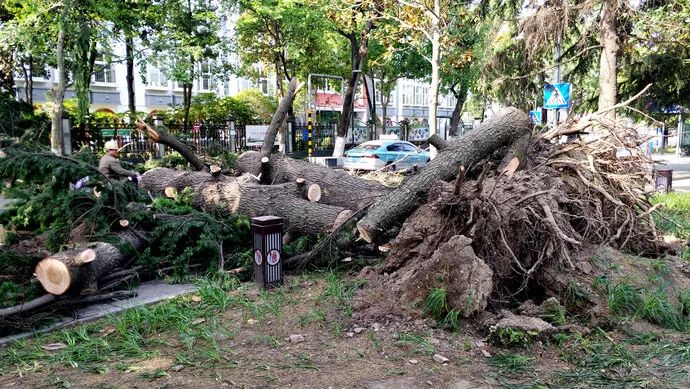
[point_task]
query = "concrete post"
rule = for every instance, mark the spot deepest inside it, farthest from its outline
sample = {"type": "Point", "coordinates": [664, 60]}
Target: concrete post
{"type": "Point", "coordinates": [233, 133]}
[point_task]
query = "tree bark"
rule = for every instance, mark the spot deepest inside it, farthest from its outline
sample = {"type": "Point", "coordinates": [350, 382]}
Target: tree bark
{"type": "Point", "coordinates": [279, 118]}
{"type": "Point", "coordinates": [495, 132]}
{"type": "Point", "coordinates": [56, 119]}
{"type": "Point", "coordinates": [359, 55]}
{"type": "Point", "coordinates": [79, 269]}
{"type": "Point", "coordinates": [129, 53]}
{"type": "Point", "coordinates": [338, 188]}
{"type": "Point", "coordinates": [242, 195]}
{"type": "Point", "coordinates": [186, 103]}
{"type": "Point", "coordinates": [460, 97]}
{"type": "Point", "coordinates": [608, 86]}
{"type": "Point", "coordinates": [162, 137]}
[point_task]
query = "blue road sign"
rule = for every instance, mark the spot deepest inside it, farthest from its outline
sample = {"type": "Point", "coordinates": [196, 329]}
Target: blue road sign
{"type": "Point", "coordinates": [535, 116]}
{"type": "Point", "coordinates": [557, 96]}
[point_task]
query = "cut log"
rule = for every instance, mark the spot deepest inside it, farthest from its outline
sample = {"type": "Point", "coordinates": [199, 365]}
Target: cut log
{"type": "Point", "coordinates": [162, 137]}
{"type": "Point", "coordinates": [337, 188]}
{"type": "Point", "coordinates": [215, 170]}
{"type": "Point", "coordinates": [243, 196]}
{"type": "Point", "coordinates": [263, 171]}
{"type": "Point", "coordinates": [279, 117]}
{"type": "Point", "coordinates": [516, 154]}
{"type": "Point", "coordinates": [314, 193]}
{"type": "Point", "coordinates": [497, 131]}
{"type": "Point", "coordinates": [79, 269]}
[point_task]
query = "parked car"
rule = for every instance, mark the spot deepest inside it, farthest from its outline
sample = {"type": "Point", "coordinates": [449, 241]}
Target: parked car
{"type": "Point", "coordinates": [376, 154]}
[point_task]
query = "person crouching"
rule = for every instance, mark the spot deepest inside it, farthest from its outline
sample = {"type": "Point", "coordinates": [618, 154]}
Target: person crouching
{"type": "Point", "coordinates": [110, 166]}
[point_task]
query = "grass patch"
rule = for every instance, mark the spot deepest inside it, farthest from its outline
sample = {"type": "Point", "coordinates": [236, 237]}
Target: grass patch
{"type": "Point", "coordinates": [417, 343]}
{"type": "Point", "coordinates": [436, 305]}
{"type": "Point", "coordinates": [512, 363]}
{"type": "Point", "coordinates": [674, 215]}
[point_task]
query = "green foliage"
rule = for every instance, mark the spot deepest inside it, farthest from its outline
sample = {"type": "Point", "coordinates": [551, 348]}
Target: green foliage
{"type": "Point", "coordinates": [300, 245]}
{"type": "Point", "coordinates": [210, 109]}
{"type": "Point", "coordinates": [510, 337]}
{"type": "Point", "coordinates": [189, 237]}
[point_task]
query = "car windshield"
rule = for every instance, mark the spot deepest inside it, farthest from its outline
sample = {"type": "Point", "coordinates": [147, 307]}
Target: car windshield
{"type": "Point", "coordinates": [366, 147]}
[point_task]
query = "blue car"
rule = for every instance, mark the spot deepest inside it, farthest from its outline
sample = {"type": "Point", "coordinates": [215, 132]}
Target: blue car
{"type": "Point", "coordinates": [376, 154]}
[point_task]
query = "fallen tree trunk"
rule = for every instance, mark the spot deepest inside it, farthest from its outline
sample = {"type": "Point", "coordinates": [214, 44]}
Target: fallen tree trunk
{"type": "Point", "coordinates": [79, 269]}
{"type": "Point", "coordinates": [243, 195]}
{"type": "Point", "coordinates": [495, 132]}
{"type": "Point", "coordinates": [337, 188]}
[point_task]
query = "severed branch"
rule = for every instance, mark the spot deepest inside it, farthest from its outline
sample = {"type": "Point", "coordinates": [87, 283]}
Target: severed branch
{"type": "Point", "coordinates": [162, 137]}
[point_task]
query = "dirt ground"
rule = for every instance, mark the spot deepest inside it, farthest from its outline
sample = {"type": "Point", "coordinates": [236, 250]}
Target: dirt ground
{"type": "Point", "coordinates": [301, 336]}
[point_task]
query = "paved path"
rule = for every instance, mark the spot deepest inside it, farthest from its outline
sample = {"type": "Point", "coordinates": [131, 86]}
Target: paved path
{"type": "Point", "coordinates": [680, 167]}
{"type": "Point", "coordinates": [148, 293]}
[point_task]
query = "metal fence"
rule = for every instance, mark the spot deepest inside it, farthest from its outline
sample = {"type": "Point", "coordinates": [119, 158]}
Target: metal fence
{"type": "Point", "coordinates": [204, 138]}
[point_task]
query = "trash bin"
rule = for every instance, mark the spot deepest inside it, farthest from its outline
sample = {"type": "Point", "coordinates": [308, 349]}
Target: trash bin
{"type": "Point", "coordinates": [663, 179]}
{"type": "Point", "coordinates": [268, 249]}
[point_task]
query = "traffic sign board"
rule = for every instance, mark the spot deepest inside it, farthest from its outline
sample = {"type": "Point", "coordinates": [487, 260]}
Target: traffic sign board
{"type": "Point", "coordinates": [557, 96]}
{"type": "Point", "coordinates": [535, 116]}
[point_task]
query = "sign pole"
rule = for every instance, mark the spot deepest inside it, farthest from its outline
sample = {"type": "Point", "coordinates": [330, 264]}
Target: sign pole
{"type": "Point", "coordinates": [310, 130]}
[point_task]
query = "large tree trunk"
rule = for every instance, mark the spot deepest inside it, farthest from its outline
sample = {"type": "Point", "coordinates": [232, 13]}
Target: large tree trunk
{"type": "Point", "coordinates": [337, 188]}
{"type": "Point", "coordinates": [608, 87]}
{"type": "Point", "coordinates": [359, 56]}
{"type": "Point", "coordinates": [242, 195]}
{"type": "Point", "coordinates": [495, 132]}
{"type": "Point", "coordinates": [78, 270]}
{"type": "Point", "coordinates": [59, 95]}
{"type": "Point", "coordinates": [279, 118]}
{"type": "Point", "coordinates": [460, 97]}
{"type": "Point", "coordinates": [129, 53]}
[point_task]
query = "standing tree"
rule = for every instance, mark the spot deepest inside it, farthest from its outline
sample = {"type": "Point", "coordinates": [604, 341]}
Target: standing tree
{"type": "Point", "coordinates": [187, 35]}
{"type": "Point", "coordinates": [354, 21]}
{"type": "Point", "coordinates": [428, 23]}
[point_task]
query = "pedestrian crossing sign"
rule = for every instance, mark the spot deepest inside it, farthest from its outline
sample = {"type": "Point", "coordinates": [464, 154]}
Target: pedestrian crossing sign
{"type": "Point", "coordinates": [557, 96]}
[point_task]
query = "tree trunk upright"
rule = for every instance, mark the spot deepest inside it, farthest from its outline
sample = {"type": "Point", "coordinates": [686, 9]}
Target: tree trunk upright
{"type": "Point", "coordinates": [359, 55]}
{"type": "Point", "coordinates": [186, 103]}
{"type": "Point", "coordinates": [460, 97]}
{"type": "Point", "coordinates": [609, 57]}
{"type": "Point", "coordinates": [435, 72]}
{"type": "Point", "coordinates": [129, 53]}
{"type": "Point", "coordinates": [59, 96]}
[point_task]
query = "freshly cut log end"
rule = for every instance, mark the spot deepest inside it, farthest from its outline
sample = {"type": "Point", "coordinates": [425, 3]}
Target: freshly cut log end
{"type": "Point", "coordinates": [215, 170]}
{"type": "Point", "coordinates": [96, 192]}
{"type": "Point", "coordinates": [84, 257]}
{"type": "Point", "coordinates": [299, 181]}
{"type": "Point", "coordinates": [2, 154]}
{"type": "Point", "coordinates": [54, 276]}
{"type": "Point", "coordinates": [364, 233]}
{"type": "Point", "coordinates": [170, 192]}
{"type": "Point", "coordinates": [314, 193]}
{"type": "Point", "coordinates": [124, 223]}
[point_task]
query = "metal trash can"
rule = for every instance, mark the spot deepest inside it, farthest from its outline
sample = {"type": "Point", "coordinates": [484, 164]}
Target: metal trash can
{"type": "Point", "coordinates": [663, 180]}
{"type": "Point", "coordinates": [268, 249]}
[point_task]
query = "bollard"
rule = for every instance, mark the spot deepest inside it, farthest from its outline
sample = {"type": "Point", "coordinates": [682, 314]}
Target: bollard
{"type": "Point", "coordinates": [310, 131]}
{"type": "Point", "coordinates": [663, 180]}
{"type": "Point", "coordinates": [268, 249]}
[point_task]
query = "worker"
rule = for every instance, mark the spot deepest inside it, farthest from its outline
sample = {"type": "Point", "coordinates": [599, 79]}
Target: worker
{"type": "Point", "coordinates": [110, 166]}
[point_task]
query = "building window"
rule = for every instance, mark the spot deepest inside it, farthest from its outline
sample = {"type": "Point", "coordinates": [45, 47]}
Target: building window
{"type": "Point", "coordinates": [105, 73]}
{"type": "Point", "coordinates": [421, 94]}
{"type": "Point", "coordinates": [408, 95]}
{"type": "Point", "coordinates": [156, 78]}
{"type": "Point", "coordinates": [206, 81]}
